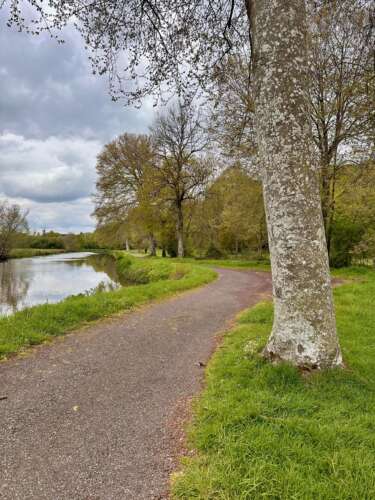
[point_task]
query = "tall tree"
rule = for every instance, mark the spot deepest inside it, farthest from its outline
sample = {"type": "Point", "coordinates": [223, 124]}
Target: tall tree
{"type": "Point", "coordinates": [124, 169]}
{"type": "Point", "coordinates": [177, 43]}
{"type": "Point", "coordinates": [178, 138]}
{"type": "Point", "coordinates": [342, 94]}
{"type": "Point", "coordinates": [12, 222]}
{"type": "Point", "coordinates": [304, 330]}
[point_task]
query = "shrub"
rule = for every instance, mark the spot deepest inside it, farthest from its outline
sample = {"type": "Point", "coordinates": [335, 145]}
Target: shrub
{"type": "Point", "coordinates": [213, 252]}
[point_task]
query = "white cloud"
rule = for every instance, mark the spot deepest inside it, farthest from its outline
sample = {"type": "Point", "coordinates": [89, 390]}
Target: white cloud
{"type": "Point", "coordinates": [52, 178]}
{"type": "Point", "coordinates": [65, 217]}
{"type": "Point", "coordinates": [53, 169]}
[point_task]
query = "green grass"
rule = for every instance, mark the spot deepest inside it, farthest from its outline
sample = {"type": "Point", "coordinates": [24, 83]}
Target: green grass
{"type": "Point", "coordinates": [20, 253]}
{"type": "Point", "coordinates": [263, 431]}
{"type": "Point", "coordinates": [41, 323]}
{"type": "Point", "coordinates": [259, 264]}
{"type": "Point", "coordinates": [148, 269]}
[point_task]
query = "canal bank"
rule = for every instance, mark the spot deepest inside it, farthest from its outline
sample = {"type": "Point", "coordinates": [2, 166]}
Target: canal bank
{"type": "Point", "coordinates": [34, 325]}
{"type": "Point", "coordinates": [34, 281]}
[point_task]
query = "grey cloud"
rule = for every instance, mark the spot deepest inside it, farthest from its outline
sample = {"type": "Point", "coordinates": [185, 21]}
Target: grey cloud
{"type": "Point", "coordinates": [55, 116]}
{"type": "Point", "coordinates": [48, 89]}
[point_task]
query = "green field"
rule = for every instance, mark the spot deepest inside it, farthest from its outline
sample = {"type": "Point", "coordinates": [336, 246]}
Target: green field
{"type": "Point", "coordinates": [159, 278]}
{"type": "Point", "coordinates": [263, 431]}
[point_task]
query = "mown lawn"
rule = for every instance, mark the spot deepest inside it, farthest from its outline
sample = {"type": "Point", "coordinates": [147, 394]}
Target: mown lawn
{"type": "Point", "coordinates": [263, 431]}
{"type": "Point", "coordinates": [41, 323]}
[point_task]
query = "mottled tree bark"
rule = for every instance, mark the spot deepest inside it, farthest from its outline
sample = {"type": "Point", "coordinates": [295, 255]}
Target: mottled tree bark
{"type": "Point", "coordinates": [304, 330]}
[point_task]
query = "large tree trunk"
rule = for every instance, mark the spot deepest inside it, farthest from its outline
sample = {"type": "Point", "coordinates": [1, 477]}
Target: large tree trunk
{"type": "Point", "coordinates": [180, 232]}
{"type": "Point", "coordinates": [304, 330]}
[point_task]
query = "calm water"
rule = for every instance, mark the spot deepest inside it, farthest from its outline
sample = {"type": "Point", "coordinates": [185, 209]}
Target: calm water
{"type": "Point", "coordinates": [28, 282]}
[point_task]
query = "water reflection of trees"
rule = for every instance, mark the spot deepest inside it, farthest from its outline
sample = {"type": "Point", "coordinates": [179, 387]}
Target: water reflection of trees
{"type": "Point", "coordinates": [14, 286]}
{"type": "Point", "coordinates": [100, 263]}
{"type": "Point", "coordinates": [106, 264]}
{"type": "Point", "coordinates": [16, 278]}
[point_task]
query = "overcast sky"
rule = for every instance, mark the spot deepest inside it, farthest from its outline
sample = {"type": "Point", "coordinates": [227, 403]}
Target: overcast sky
{"type": "Point", "coordinates": [55, 116]}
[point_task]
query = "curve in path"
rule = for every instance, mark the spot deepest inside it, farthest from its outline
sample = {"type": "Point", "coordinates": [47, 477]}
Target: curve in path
{"type": "Point", "coordinates": [86, 417]}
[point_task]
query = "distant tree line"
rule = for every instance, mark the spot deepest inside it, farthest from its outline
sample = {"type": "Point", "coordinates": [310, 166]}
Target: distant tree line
{"type": "Point", "coordinates": [50, 240]}
{"type": "Point", "coordinates": [15, 234]}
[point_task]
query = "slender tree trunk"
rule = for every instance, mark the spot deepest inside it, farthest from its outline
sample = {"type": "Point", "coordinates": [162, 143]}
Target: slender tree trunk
{"type": "Point", "coordinates": [326, 191]}
{"type": "Point", "coordinates": [152, 245]}
{"type": "Point", "coordinates": [127, 246]}
{"type": "Point", "coordinates": [304, 329]}
{"type": "Point", "coordinates": [259, 242]}
{"type": "Point", "coordinates": [332, 208]}
{"type": "Point", "coordinates": [180, 231]}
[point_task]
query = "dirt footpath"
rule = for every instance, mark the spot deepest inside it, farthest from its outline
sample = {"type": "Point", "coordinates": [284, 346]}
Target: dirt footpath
{"type": "Point", "coordinates": [88, 416]}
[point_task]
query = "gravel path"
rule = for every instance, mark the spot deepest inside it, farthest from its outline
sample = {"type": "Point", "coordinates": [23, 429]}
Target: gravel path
{"type": "Point", "coordinates": [91, 416]}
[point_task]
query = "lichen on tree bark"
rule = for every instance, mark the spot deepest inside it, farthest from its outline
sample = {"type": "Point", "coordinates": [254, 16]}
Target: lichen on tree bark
{"type": "Point", "coordinates": [304, 329]}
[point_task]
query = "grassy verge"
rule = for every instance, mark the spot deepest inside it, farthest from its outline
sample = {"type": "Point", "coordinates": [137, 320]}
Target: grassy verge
{"type": "Point", "coordinates": [41, 323]}
{"type": "Point", "coordinates": [20, 253]}
{"type": "Point", "coordinates": [263, 431]}
{"type": "Point", "coordinates": [145, 270]}
{"type": "Point", "coordinates": [259, 264]}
